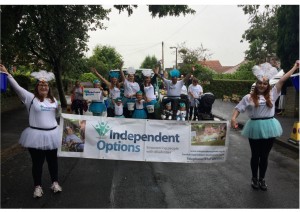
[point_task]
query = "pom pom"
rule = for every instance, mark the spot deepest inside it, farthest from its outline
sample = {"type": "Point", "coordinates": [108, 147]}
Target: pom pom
{"type": "Point", "coordinates": [175, 73]}
{"type": "Point", "coordinates": [131, 70]}
{"type": "Point", "coordinates": [114, 74]}
{"type": "Point", "coordinates": [96, 81]}
{"type": "Point", "coordinates": [43, 75]}
{"type": "Point", "coordinates": [147, 72]}
{"type": "Point", "coordinates": [264, 71]}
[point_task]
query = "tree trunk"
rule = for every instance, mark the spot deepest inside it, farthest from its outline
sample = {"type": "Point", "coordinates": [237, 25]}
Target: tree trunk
{"type": "Point", "coordinates": [59, 85]}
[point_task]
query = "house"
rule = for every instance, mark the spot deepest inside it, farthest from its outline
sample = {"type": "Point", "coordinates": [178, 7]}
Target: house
{"type": "Point", "coordinates": [216, 66]}
{"type": "Point", "coordinates": [234, 68]}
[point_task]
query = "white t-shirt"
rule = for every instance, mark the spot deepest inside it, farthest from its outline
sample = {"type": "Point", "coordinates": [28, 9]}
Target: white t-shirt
{"type": "Point", "coordinates": [149, 92]}
{"type": "Point", "coordinates": [118, 109]}
{"type": "Point", "coordinates": [130, 88]}
{"type": "Point", "coordinates": [262, 110]}
{"type": "Point", "coordinates": [139, 105]}
{"type": "Point", "coordinates": [42, 114]}
{"type": "Point", "coordinates": [173, 89]}
{"type": "Point", "coordinates": [114, 93]}
{"type": "Point", "coordinates": [195, 90]}
{"type": "Point", "coordinates": [184, 90]}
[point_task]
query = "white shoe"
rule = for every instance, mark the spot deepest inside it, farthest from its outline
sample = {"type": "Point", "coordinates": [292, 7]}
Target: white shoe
{"type": "Point", "coordinates": [56, 187]}
{"type": "Point", "coordinates": [38, 192]}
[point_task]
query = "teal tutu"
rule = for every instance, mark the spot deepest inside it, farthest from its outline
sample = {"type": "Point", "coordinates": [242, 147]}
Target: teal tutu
{"type": "Point", "coordinates": [262, 129]}
{"type": "Point", "coordinates": [97, 107]}
{"type": "Point", "coordinates": [152, 102]}
{"type": "Point", "coordinates": [139, 114]}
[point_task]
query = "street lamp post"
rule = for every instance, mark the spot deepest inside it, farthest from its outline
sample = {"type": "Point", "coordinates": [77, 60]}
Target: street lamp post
{"type": "Point", "coordinates": [173, 47]}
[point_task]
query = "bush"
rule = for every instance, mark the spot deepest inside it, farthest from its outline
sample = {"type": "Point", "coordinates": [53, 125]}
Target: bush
{"type": "Point", "coordinates": [228, 87]}
{"type": "Point", "coordinates": [87, 77]}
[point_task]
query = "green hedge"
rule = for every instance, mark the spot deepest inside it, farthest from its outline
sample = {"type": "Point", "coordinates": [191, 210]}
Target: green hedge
{"type": "Point", "coordinates": [228, 87]}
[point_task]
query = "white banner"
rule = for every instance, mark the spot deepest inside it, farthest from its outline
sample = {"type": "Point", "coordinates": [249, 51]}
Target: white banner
{"type": "Point", "coordinates": [92, 93]}
{"type": "Point", "coordinates": [143, 140]}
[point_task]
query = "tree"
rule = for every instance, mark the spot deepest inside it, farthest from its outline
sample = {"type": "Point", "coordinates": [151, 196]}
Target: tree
{"type": "Point", "coordinates": [104, 59]}
{"type": "Point", "coordinates": [149, 62]}
{"type": "Point", "coordinates": [262, 34]}
{"type": "Point", "coordinates": [288, 35]}
{"type": "Point", "coordinates": [55, 36]}
{"type": "Point", "coordinates": [159, 10]}
{"type": "Point", "coordinates": [192, 56]}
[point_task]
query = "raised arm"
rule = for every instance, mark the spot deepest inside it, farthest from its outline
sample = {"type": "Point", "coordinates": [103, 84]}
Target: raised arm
{"type": "Point", "coordinates": [93, 70]}
{"type": "Point", "coordinates": [188, 75]}
{"type": "Point", "coordinates": [280, 83]}
{"type": "Point", "coordinates": [122, 72]}
{"type": "Point", "coordinates": [22, 93]}
{"type": "Point", "coordinates": [156, 70]}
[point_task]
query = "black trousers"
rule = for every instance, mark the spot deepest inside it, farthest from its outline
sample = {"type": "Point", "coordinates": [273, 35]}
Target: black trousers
{"type": "Point", "coordinates": [77, 106]}
{"type": "Point", "coordinates": [260, 149]}
{"type": "Point", "coordinates": [38, 157]}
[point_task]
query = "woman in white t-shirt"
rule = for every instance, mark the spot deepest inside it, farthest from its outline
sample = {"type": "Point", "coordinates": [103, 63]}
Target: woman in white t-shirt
{"type": "Point", "coordinates": [41, 138]}
{"type": "Point", "coordinates": [114, 87]}
{"type": "Point", "coordinates": [194, 92]}
{"type": "Point", "coordinates": [148, 88]}
{"type": "Point", "coordinates": [130, 89]}
{"type": "Point", "coordinates": [262, 128]}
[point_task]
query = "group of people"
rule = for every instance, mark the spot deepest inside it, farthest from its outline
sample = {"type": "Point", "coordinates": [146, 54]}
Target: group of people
{"type": "Point", "coordinates": [138, 100]}
{"type": "Point", "coordinates": [42, 139]}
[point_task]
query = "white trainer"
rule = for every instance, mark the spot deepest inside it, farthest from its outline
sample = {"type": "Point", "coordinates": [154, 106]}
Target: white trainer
{"type": "Point", "coordinates": [56, 187]}
{"type": "Point", "coordinates": [38, 192]}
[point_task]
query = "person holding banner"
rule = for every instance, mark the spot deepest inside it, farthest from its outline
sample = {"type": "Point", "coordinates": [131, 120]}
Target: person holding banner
{"type": "Point", "coordinates": [97, 107]}
{"type": "Point", "coordinates": [262, 128]}
{"type": "Point", "coordinates": [130, 89]}
{"type": "Point", "coordinates": [114, 87]}
{"type": "Point", "coordinates": [41, 138]}
{"type": "Point", "coordinates": [149, 92]}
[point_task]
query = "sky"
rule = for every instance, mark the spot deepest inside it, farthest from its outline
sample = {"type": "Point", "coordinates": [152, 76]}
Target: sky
{"type": "Point", "coordinates": [219, 28]}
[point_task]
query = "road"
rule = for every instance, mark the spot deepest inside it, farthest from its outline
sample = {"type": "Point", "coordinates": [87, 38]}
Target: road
{"type": "Point", "coordinates": [91, 183]}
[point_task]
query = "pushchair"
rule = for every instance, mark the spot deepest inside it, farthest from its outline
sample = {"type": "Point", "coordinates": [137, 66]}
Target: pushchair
{"type": "Point", "coordinates": [174, 101]}
{"type": "Point", "coordinates": [204, 106]}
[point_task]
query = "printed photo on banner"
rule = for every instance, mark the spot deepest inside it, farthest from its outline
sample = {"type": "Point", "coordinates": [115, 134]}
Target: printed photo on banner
{"type": "Point", "coordinates": [73, 138]}
{"type": "Point", "coordinates": [208, 134]}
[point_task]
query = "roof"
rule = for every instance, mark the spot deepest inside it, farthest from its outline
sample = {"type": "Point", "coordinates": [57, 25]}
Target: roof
{"type": "Point", "coordinates": [234, 68]}
{"type": "Point", "coordinates": [215, 65]}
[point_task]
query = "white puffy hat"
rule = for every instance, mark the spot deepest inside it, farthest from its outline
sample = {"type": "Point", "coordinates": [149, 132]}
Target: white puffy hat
{"type": "Point", "coordinates": [43, 76]}
{"type": "Point", "coordinates": [147, 72]}
{"type": "Point", "coordinates": [264, 71]}
{"type": "Point", "coordinates": [131, 70]}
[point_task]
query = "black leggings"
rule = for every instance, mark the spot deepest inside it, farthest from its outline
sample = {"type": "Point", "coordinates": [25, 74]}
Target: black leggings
{"type": "Point", "coordinates": [38, 157]}
{"type": "Point", "coordinates": [260, 149]}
